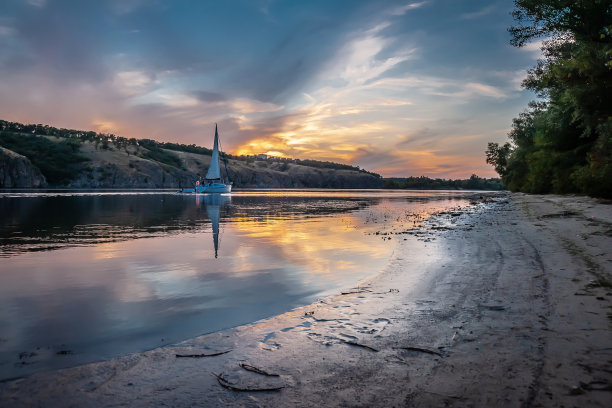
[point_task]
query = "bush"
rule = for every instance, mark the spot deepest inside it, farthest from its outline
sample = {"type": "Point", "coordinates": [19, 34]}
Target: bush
{"type": "Point", "coordinates": [59, 162]}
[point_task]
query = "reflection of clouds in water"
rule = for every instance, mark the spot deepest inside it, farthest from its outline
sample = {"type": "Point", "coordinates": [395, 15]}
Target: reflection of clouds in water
{"type": "Point", "coordinates": [107, 250]}
{"type": "Point", "coordinates": [319, 245]}
{"type": "Point", "coordinates": [118, 297]}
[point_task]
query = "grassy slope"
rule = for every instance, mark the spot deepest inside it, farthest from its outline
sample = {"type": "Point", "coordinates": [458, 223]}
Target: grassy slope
{"type": "Point", "coordinates": [93, 165]}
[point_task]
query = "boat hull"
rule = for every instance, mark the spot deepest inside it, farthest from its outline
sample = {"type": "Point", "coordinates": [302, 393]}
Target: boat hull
{"type": "Point", "coordinates": [216, 188]}
{"type": "Point", "coordinates": [210, 188]}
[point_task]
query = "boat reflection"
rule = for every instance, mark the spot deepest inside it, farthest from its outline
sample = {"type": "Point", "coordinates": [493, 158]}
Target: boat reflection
{"type": "Point", "coordinates": [51, 222]}
{"type": "Point", "coordinates": [213, 204]}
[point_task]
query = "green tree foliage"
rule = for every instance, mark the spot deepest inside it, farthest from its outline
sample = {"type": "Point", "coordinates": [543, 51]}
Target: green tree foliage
{"type": "Point", "coordinates": [426, 183]}
{"type": "Point", "coordinates": [192, 148]}
{"type": "Point", "coordinates": [58, 161]}
{"type": "Point", "coordinates": [564, 143]}
{"type": "Point", "coordinates": [156, 153]}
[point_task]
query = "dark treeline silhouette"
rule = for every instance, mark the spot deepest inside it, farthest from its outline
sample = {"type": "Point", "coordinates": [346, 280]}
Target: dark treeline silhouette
{"type": "Point", "coordinates": [426, 183]}
{"type": "Point", "coordinates": [563, 142]}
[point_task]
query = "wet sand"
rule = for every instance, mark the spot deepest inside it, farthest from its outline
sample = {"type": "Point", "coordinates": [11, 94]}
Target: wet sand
{"type": "Point", "coordinates": [506, 303]}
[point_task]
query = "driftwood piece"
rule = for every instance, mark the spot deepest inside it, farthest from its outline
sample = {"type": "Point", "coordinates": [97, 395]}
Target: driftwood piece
{"type": "Point", "coordinates": [351, 292]}
{"type": "Point", "coordinates": [352, 343]}
{"type": "Point", "coordinates": [226, 384]}
{"type": "Point", "coordinates": [254, 369]}
{"type": "Point", "coordinates": [387, 292]}
{"type": "Point", "coordinates": [420, 349]}
{"type": "Point", "coordinates": [327, 320]}
{"type": "Point", "coordinates": [495, 308]}
{"type": "Point", "coordinates": [203, 355]}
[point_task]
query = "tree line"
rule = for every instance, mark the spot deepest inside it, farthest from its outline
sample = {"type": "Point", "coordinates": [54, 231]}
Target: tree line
{"type": "Point", "coordinates": [426, 183]}
{"type": "Point", "coordinates": [562, 143]}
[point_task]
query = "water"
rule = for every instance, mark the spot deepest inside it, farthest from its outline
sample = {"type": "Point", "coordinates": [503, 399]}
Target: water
{"type": "Point", "coordinates": [89, 276]}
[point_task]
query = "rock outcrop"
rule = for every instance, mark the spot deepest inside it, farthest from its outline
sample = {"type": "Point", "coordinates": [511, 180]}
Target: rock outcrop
{"type": "Point", "coordinates": [17, 171]}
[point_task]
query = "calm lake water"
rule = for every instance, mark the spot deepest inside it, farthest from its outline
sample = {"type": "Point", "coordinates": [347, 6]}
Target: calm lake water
{"type": "Point", "coordinates": [89, 276]}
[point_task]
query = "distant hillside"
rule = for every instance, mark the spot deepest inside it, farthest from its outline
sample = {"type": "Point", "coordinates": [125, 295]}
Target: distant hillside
{"type": "Point", "coordinates": [87, 159]}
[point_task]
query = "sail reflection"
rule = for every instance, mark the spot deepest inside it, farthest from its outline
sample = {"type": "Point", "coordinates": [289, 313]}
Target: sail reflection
{"type": "Point", "coordinates": [213, 204]}
{"type": "Point", "coordinates": [47, 223]}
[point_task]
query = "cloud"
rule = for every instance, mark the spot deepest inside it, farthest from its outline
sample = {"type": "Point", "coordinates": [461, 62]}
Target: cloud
{"type": "Point", "coordinates": [534, 48]}
{"type": "Point", "coordinates": [6, 30]}
{"type": "Point", "coordinates": [284, 69]}
{"type": "Point", "coordinates": [104, 126]}
{"type": "Point", "coordinates": [206, 96]}
{"type": "Point", "coordinates": [361, 60]}
{"type": "Point", "coordinates": [457, 89]}
{"type": "Point", "coordinates": [58, 50]}
{"type": "Point", "coordinates": [477, 14]}
{"type": "Point", "coordinates": [244, 105]}
{"type": "Point", "coordinates": [37, 3]}
{"type": "Point", "coordinates": [485, 90]}
{"type": "Point", "coordinates": [123, 7]}
{"type": "Point", "coordinates": [424, 137]}
{"type": "Point", "coordinates": [511, 80]}
{"type": "Point", "coordinates": [401, 10]}
{"type": "Point", "coordinates": [132, 83]}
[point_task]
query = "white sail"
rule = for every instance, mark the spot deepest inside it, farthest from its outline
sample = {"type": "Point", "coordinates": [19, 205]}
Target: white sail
{"type": "Point", "coordinates": [214, 171]}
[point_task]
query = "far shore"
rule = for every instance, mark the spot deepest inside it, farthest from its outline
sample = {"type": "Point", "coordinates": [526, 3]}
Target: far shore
{"type": "Point", "coordinates": [505, 303]}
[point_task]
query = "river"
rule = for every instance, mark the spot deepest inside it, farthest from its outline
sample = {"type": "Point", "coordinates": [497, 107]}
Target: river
{"type": "Point", "coordinates": [87, 276]}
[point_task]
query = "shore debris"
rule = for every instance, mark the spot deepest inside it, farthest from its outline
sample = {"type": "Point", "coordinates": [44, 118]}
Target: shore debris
{"type": "Point", "coordinates": [420, 349]}
{"type": "Point", "coordinates": [254, 369]}
{"type": "Point", "coordinates": [387, 292]}
{"type": "Point", "coordinates": [224, 382]}
{"type": "Point", "coordinates": [352, 343]}
{"type": "Point", "coordinates": [562, 214]}
{"type": "Point", "coordinates": [358, 290]}
{"type": "Point", "coordinates": [495, 308]}
{"type": "Point", "coordinates": [202, 355]}
{"type": "Point", "coordinates": [596, 385]}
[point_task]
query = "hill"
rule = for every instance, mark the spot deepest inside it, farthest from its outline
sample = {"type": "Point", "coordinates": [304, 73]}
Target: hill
{"type": "Point", "coordinates": [41, 155]}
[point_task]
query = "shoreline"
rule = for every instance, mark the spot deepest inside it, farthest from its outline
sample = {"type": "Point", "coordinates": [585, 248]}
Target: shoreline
{"type": "Point", "coordinates": [527, 325]}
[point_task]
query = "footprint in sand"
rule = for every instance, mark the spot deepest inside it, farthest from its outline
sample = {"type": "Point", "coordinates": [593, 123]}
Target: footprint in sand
{"type": "Point", "coordinates": [267, 344]}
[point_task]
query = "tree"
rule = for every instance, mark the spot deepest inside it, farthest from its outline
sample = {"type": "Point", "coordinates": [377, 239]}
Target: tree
{"type": "Point", "coordinates": [498, 156]}
{"type": "Point", "coordinates": [564, 142]}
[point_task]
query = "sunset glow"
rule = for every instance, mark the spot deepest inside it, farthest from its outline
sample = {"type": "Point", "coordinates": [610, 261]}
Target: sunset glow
{"type": "Point", "coordinates": [396, 87]}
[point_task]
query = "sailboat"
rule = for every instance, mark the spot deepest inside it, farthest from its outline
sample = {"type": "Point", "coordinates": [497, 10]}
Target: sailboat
{"type": "Point", "coordinates": [214, 182]}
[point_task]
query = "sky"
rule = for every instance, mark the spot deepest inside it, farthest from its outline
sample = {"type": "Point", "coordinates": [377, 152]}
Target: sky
{"type": "Point", "coordinates": [401, 88]}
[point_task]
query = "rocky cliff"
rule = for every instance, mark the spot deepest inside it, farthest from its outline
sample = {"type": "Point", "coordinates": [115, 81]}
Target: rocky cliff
{"type": "Point", "coordinates": [16, 171]}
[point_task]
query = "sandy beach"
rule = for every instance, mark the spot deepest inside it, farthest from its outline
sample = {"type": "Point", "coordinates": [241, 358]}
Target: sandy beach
{"type": "Point", "coordinates": [505, 303]}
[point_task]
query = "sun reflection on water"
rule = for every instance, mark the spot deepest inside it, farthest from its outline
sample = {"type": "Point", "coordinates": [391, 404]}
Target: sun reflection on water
{"type": "Point", "coordinates": [110, 274]}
